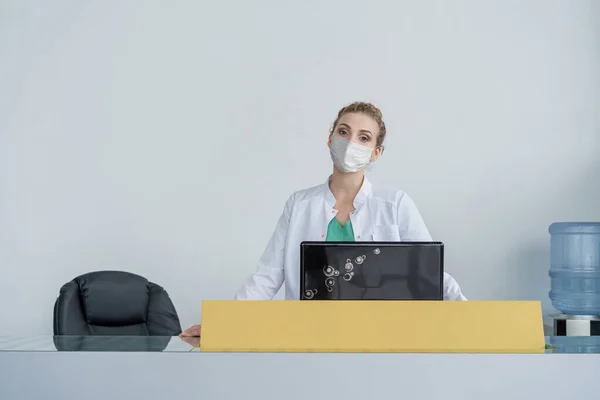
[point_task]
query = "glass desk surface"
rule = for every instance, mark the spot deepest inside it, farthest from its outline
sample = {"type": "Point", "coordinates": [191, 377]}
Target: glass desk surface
{"type": "Point", "coordinates": [167, 344]}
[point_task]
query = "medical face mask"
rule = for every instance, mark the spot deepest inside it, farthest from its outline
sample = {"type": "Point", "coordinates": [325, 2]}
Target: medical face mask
{"type": "Point", "coordinates": [348, 156]}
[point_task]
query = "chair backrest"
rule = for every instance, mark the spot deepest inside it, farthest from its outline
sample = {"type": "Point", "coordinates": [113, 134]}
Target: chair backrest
{"type": "Point", "coordinates": [114, 303]}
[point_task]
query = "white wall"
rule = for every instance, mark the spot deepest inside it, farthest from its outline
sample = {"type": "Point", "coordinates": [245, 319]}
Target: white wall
{"type": "Point", "coordinates": [163, 138]}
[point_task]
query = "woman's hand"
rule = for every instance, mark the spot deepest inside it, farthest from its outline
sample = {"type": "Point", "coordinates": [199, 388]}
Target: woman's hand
{"type": "Point", "coordinates": [192, 341]}
{"type": "Point", "coordinates": [194, 331]}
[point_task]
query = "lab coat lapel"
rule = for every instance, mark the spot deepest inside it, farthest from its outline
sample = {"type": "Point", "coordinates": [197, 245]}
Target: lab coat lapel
{"type": "Point", "coordinates": [328, 211]}
{"type": "Point", "coordinates": [361, 218]}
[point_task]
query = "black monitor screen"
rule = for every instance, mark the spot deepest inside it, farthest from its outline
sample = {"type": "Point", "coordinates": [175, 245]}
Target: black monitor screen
{"type": "Point", "coordinates": [372, 271]}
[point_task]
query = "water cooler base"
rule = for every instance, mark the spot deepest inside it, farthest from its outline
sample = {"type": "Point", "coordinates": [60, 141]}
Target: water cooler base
{"type": "Point", "coordinates": [576, 325]}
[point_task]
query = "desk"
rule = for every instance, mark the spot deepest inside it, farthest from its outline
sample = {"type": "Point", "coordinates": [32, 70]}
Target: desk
{"type": "Point", "coordinates": [32, 368]}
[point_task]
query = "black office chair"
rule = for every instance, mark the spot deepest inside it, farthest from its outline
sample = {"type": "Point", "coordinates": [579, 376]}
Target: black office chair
{"type": "Point", "coordinates": [114, 303]}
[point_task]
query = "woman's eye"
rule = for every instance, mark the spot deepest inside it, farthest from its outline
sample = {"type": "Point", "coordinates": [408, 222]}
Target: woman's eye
{"type": "Point", "coordinates": [364, 139]}
{"type": "Point", "coordinates": [343, 132]}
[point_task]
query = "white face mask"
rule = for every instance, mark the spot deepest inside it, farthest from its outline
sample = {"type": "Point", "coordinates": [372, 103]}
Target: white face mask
{"type": "Point", "coordinates": [348, 156]}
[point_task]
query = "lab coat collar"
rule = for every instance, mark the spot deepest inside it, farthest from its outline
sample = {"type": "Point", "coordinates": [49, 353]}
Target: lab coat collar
{"type": "Point", "coordinates": [362, 195]}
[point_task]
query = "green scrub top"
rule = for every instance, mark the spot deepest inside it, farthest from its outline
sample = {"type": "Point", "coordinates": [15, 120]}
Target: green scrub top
{"type": "Point", "coordinates": [339, 233]}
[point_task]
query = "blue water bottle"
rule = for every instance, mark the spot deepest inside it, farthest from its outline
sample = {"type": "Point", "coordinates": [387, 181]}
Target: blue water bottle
{"type": "Point", "coordinates": [575, 267]}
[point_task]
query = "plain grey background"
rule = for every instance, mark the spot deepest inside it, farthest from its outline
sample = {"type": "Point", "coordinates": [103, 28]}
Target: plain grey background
{"type": "Point", "coordinates": [152, 136]}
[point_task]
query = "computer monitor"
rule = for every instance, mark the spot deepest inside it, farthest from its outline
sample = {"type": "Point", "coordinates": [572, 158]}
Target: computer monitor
{"type": "Point", "coordinates": [371, 270]}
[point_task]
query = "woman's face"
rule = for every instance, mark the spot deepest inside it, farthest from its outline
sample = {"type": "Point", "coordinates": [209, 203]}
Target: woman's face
{"type": "Point", "coordinates": [358, 128]}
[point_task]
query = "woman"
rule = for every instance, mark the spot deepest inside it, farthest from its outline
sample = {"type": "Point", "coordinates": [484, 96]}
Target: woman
{"type": "Point", "coordinates": [345, 208]}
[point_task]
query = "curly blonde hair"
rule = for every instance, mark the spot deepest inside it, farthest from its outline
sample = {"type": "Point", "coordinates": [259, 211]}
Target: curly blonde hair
{"type": "Point", "coordinates": [366, 109]}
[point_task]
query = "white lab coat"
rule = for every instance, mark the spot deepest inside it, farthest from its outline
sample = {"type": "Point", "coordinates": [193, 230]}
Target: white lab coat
{"type": "Point", "coordinates": [379, 215]}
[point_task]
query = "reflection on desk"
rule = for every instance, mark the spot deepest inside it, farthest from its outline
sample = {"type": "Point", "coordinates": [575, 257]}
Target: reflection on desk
{"type": "Point", "coordinates": [574, 344]}
{"type": "Point", "coordinates": [168, 344]}
{"type": "Point", "coordinates": [98, 343]}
